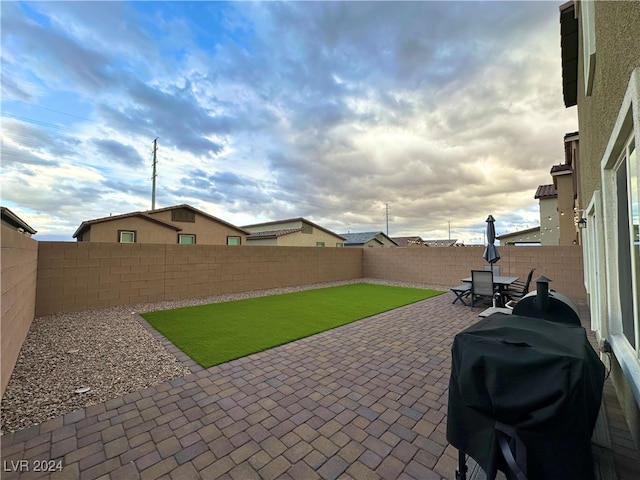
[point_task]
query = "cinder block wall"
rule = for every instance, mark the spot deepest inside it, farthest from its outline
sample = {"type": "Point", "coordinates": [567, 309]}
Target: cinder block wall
{"type": "Point", "coordinates": [448, 266]}
{"type": "Point", "coordinates": [18, 279]}
{"type": "Point", "coordinates": [78, 276]}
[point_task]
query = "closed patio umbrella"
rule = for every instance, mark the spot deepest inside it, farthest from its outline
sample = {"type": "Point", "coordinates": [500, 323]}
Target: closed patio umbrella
{"type": "Point", "coordinates": [491, 254]}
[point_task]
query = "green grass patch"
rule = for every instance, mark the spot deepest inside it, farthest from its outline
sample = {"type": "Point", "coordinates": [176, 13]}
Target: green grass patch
{"type": "Point", "coordinates": [220, 332]}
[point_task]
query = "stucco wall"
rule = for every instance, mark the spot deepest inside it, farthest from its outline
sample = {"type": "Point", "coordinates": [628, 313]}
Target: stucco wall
{"type": "Point", "coordinates": [78, 276]}
{"type": "Point", "coordinates": [448, 266]}
{"type": "Point", "coordinates": [549, 221]}
{"type": "Point", "coordinates": [567, 232]}
{"type": "Point", "coordinates": [617, 55]}
{"type": "Point", "coordinates": [207, 231]}
{"type": "Point", "coordinates": [616, 25]}
{"type": "Point", "coordinates": [18, 279]}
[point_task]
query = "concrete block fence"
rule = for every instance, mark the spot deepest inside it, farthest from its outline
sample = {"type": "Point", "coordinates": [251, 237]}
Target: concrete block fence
{"type": "Point", "coordinates": [41, 278]}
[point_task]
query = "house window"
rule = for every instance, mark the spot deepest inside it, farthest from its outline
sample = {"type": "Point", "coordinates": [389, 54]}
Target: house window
{"type": "Point", "coordinates": [126, 236]}
{"type": "Point", "coordinates": [183, 215]}
{"type": "Point", "coordinates": [319, 244]}
{"type": "Point", "coordinates": [587, 14]}
{"type": "Point", "coordinates": [340, 244]}
{"type": "Point", "coordinates": [628, 201]}
{"type": "Point", "coordinates": [306, 228]}
{"type": "Point", "coordinates": [186, 239]}
{"type": "Point", "coordinates": [233, 240]}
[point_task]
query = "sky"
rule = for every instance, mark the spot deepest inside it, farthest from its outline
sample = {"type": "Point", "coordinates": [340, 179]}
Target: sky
{"type": "Point", "coordinates": [426, 116]}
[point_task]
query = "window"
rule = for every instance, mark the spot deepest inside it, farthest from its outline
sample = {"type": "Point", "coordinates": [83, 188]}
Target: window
{"type": "Point", "coordinates": [186, 239]}
{"type": "Point", "coordinates": [126, 236]}
{"type": "Point", "coordinates": [306, 228]}
{"type": "Point", "coordinates": [587, 14]}
{"type": "Point", "coordinates": [620, 285]}
{"type": "Point", "coordinates": [183, 215]}
{"type": "Point", "coordinates": [319, 244]}
{"type": "Point", "coordinates": [627, 197]}
{"type": "Point", "coordinates": [340, 244]}
{"type": "Point", "coordinates": [233, 240]}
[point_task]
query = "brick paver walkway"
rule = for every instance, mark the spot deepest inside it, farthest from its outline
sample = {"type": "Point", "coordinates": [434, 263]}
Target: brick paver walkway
{"type": "Point", "coordinates": [363, 401]}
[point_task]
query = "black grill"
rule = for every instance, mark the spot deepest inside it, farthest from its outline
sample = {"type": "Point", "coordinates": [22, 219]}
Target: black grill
{"type": "Point", "coordinates": [548, 305]}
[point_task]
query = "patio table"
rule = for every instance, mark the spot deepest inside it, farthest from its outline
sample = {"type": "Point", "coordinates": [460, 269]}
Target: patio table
{"type": "Point", "coordinates": [500, 282]}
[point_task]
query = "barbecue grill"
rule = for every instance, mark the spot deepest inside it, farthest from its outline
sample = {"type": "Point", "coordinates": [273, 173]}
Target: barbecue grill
{"type": "Point", "coordinates": [525, 391]}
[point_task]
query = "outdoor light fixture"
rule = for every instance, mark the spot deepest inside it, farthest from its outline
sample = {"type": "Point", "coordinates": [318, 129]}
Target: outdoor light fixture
{"type": "Point", "coordinates": [578, 219]}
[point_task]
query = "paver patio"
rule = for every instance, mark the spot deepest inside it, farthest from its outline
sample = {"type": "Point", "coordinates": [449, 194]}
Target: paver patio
{"type": "Point", "coordinates": [367, 400]}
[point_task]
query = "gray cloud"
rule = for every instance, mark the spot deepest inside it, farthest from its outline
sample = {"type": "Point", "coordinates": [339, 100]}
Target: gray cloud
{"type": "Point", "coordinates": [331, 108]}
{"type": "Point", "coordinates": [114, 151]}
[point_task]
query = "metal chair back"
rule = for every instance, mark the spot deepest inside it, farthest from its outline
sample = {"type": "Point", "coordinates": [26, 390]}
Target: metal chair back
{"type": "Point", "coordinates": [482, 283]}
{"type": "Point", "coordinates": [494, 268]}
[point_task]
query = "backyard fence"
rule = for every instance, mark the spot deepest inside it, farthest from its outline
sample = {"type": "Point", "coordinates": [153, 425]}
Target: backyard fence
{"type": "Point", "coordinates": [41, 278]}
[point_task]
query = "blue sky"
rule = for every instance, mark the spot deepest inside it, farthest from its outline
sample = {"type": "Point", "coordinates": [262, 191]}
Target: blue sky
{"type": "Point", "coordinates": [448, 111]}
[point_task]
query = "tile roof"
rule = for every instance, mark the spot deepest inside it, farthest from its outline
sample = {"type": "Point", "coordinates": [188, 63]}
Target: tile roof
{"type": "Point", "coordinates": [561, 169]}
{"type": "Point", "coordinates": [441, 243]}
{"type": "Point", "coordinates": [406, 241]}
{"type": "Point", "coordinates": [272, 233]}
{"type": "Point", "coordinates": [360, 238]}
{"type": "Point", "coordinates": [546, 191]}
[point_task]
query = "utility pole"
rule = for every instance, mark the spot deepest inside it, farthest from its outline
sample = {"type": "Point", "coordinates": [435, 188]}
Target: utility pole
{"type": "Point", "coordinates": [449, 230]}
{"type": "Point", "coordinates": [155, 162]}
{"type": "Point", "coordinates": [387, 216]}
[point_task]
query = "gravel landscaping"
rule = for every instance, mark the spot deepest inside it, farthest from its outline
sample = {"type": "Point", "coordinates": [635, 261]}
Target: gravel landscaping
{"type": "Point", "coordinates": [107, 351]}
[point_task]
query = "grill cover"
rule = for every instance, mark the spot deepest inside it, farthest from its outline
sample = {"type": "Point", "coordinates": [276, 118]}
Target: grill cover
{"type": "Point", "coordinates": [540, 377]}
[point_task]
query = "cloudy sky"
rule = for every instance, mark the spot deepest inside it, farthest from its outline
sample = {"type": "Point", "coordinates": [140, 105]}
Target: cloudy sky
{"type": "Point", "coordinates": [445, 111]}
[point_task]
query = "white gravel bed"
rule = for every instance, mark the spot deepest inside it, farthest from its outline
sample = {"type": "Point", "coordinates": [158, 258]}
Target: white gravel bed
{"type": "Point", "coordinates": [105, 350]}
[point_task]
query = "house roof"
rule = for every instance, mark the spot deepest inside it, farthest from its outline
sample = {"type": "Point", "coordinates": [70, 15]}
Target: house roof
{"type": "Point", "coordinates": [450, 242]}
{"type": "Point", "coordinates": [290, 220]}
{"type": "Point", "coordinates": [13, 219]}
{"type": "Point", "coordinates": [406, 241]}
{"type": "Point", "coordinates": [144, 215]}
{"type": "Point", "coordinates": [360, 238]}
{"type": "Point", "coordinates": [518, 233]}
{"type": "Point", "coordinates": [204, 214]}
{"type": "Point", "coordinates": [272, 233]}
{"type": "Point", "coordinates": [546, 191]}
{"type": "Point", "coordinates": [562, 169]}
{"type": "Point", "coordinates": [569, 55]}
{"type": "Point", "coordinates": [147, 215]}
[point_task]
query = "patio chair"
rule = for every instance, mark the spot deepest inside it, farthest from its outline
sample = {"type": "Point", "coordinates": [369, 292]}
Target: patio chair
{"type": "Point", "coordinates": [481, 285]}
{"type": "Point", "coordinates": [461, 292]}
{"type": "Point", "coordinates": [494, 268]}
{"type": "Point", "coordinates": [522, 288]}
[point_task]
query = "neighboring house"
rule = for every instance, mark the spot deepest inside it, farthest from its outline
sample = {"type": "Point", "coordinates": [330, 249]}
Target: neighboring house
{"type": "Point", "coordinates": [368, 239]}
{"type": "Point", "coordinates": [11, 220]}
{"type": "Point", "coordinates": [530, 236]}
{"type": "Point", "coordinates": [549, 230]}
{"type": "Point", "coordinates": [601, 75]}
{"type": "Point", "coordinates": [408, 241]}
{"type": "Point", "coordinates": [441, 243]}
{"type": "Point", "coordinates": [293, 232]}
{"type": "Point", "coordinates": [182, 224]}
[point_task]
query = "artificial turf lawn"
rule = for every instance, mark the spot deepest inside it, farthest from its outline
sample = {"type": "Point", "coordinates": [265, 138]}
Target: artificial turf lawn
{"type": "Point", "coordinates": [220, 332]}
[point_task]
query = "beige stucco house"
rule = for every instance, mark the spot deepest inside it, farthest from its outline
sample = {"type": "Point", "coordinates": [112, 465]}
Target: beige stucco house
{"type": "Point", "coordinates": [549, 230]}
{"type": "Point", "coordinates": [529, 236]}
{"type": "Point", "coordinates": [182, 224]}
{"type": "Point", "coordinates": [14, 222]}
{"type": "Point", "coordinates": [293, 232]}
{"type": "Point", "coordinates": [601, 75]}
